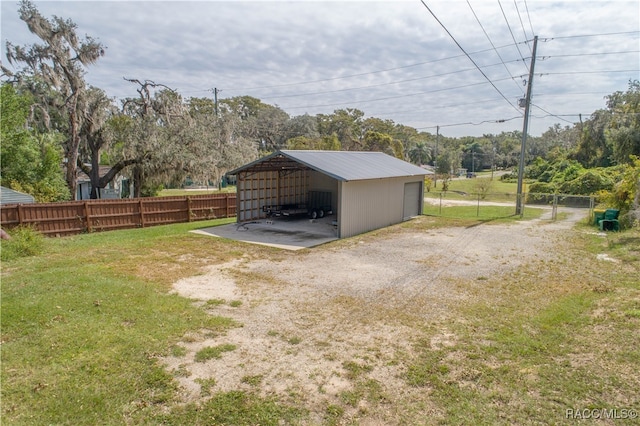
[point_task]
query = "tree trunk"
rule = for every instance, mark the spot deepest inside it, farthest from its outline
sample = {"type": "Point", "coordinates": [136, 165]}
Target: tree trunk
{"type": "Point", "coordinates": [137, 181]}
{"type": "Point", "coordinates": [95, 176]}
{"type": "Point", "coordinates": [72, 151]}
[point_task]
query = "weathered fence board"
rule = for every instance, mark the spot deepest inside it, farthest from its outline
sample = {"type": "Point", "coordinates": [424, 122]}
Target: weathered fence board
{"type": "Point", "coordinates": [103, 215]}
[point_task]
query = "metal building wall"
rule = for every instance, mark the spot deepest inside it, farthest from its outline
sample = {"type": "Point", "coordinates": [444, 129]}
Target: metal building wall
{"type": "Point", "coordinates": [371, 204]}
{"type": "Point", "coordinates": [269, 188]}
{"type": "Point", "coordinates": [321, 182]}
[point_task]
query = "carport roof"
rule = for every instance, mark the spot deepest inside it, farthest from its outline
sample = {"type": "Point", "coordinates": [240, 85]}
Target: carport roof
{"type": "Point", "coordinates": [341, 165]}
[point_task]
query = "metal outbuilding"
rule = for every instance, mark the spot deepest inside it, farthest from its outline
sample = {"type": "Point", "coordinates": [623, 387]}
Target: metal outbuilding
{"type": "Point", "coordinates": [367, 190]}
{"type": "Point", "coordinates": [11, 196]}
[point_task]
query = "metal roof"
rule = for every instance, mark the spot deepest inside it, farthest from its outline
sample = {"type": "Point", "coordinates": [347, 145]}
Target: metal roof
{"type": "Point", "coordinates": [340, 165]}
{"type": "Point", "coordinates": [10, 196]}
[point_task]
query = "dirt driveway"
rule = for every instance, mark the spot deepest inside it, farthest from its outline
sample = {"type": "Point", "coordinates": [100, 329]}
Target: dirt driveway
{"type": "Point", "coordinates": [312, 317]}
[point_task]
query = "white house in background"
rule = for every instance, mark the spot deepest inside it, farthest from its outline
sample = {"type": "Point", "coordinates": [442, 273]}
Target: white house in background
{"type": "Point", "coordinates": [119, 187]}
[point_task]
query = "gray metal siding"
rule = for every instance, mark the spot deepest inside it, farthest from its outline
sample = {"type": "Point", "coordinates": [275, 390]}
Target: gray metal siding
{"type": "Point", "coordinates": [10, 196]}
{"type": "Point", "coordinates": [322, 182]}
{"type": "Point", "coordinates": [371, 204]}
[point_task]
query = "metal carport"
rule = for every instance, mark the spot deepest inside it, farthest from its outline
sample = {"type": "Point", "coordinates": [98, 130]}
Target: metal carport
{"type": "Point", "coordinates": [369, 190]}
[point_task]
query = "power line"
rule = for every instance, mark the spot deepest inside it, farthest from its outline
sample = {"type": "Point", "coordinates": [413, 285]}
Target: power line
{"type": "Point", "coordinates": [588, 72]}
{"type": "Point", "coordinates": [419, 111]}
{"type": "Point", "coordinates": [589, 35]}
{"type": "Point", "coordinates": [521, 24]}
{"type": "Point", "coordinates": [395, 97]}
{"type": "Point", "coordinates": [538, 95]}
{"type": "Point", "coordinates": [465, 52]}
{"type": "Point", "coordinates": [551, 114]}
{"type": "Point", "coordinates": [492, 45]}
{"type": "Point", "coordinates": [502, 120]}
{"type": "Point", "coordinates": [544, 58]}
{"type": "Point", "coordinates": [384, 84]}
{"type": "Point", "coordinates": [511, 32]}
{"type": "Point", "coordinates": [323, 80]}
{"type": "Point", "coordinates": [529, 17]}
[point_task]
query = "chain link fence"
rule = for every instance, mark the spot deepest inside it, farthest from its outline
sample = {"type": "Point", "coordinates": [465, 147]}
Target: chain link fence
{"type": "Point", "coordinates": [493, 205]}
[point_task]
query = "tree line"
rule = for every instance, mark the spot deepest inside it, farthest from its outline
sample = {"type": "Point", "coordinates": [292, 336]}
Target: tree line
{"type": "Point", "coordinates": [50, 116]}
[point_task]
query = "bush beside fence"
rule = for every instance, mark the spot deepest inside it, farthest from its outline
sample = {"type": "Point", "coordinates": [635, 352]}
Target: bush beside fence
{"type": "Point", "coordinates": [77, 217]}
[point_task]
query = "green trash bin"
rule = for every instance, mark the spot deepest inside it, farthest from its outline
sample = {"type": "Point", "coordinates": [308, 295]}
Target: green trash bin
{"type": "Point", "coordinates": [598, 215]}
{"type": "Point", "coordinates": [610, 220]}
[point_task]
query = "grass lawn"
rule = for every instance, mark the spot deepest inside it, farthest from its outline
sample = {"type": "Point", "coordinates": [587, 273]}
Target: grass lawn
{"type": "Point", "coordinates": [84, 323]}
{"type": "Point", "coordinates": [544, 340]}
{"type": "Point", "coordinates": [482, 212]}
{"type": "Point", "coordinates": [466, 189]}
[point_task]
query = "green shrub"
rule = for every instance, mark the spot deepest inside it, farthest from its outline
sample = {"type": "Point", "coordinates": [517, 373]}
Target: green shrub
{"type": "Point", "coordinates": [541, 193]}
{"type": "Point", "coordinates": [623, 193]}
{"type": "Point", "coordinates": [542, 188]}
{"type": "Point", "coordinates": [564, 171]}
{"type": "Point", "coordinates": [536, 169]}
{"type": "Point", "coordinates": [510, 177]}
{"type": "Point", "coordinates": [151, 189]}
{"type": "Point", "coordinates": [587, 183]}
{"type": "Point", "coordinates": [25, 241]}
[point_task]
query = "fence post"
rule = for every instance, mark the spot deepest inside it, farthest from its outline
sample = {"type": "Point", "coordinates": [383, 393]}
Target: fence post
{"type": "Point", "coordinates": [440, 209]}
{"type": "Point", "coordinates": [554, 209]}
{"type": "Point", "coordinates": [188, 208]}
{"type": "Point", "coordinates": [140, 207]}
{"type": "Point", "coordinates": [20, 214]}
{"type": "Point", "coordinates": [86, 215]}
{"type": "Point", "coordinates": [478, 209]}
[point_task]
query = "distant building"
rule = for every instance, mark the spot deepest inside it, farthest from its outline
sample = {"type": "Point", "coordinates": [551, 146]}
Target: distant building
{"type": "Point", "coordinates": [119, 187]}
{"type": "Point", "coordinates": [11, 196]}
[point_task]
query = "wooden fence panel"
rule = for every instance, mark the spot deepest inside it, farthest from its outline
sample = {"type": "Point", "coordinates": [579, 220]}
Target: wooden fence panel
{"type": "Point", "coordinates": [119, 214]}
{"type": "Point", "coordinates": [203, 208]}
{"type": "Point", "coordinates": [104, 215]}
{"type": "Point", "coordinates": [9, 216]}
{"type": "Point", "coordinates": [54, 218]}
{"type": "Point", "coordinates": [161, 211]}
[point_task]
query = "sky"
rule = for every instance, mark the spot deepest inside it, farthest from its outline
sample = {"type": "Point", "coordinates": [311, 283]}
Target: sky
{"type": "Point", "coordinates": [449, 66]}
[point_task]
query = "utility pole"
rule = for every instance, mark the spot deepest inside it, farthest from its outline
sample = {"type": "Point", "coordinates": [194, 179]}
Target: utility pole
{"type": "Point", "coordinates": [473, 162]}
{"type": "Point", "coordinates": [215, 100]}
{"type": "Point", "coordinates": [525, 128]}
{"type": "Point", "coordinates": [435, 158]}
{"type": "Point", "coordinates": [493, 159]}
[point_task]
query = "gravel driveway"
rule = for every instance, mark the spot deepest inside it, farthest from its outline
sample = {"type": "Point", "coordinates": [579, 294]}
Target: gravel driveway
{"type": "Point", "coordinates": [366, 298]}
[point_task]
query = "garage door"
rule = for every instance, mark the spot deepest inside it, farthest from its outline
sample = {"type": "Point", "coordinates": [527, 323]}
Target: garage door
{"type": "Point", "coordinates": [412, 192]}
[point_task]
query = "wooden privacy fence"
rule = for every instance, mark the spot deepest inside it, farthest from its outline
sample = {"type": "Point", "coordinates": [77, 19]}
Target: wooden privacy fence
{"type": "Point", "coordinates": [76, 217]}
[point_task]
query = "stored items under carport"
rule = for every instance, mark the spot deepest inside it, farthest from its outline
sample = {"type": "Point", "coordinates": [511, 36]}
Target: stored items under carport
{"type": "Point", "coordinates": [318, 205]}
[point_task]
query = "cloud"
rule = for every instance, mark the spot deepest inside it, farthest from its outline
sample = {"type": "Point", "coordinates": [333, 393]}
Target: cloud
{"type": "Point", "coordinates": [390, 59]}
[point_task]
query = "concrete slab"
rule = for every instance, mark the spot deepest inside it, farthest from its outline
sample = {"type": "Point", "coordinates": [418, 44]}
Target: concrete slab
{"type": "Point", "coordinates": [282, 232]}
